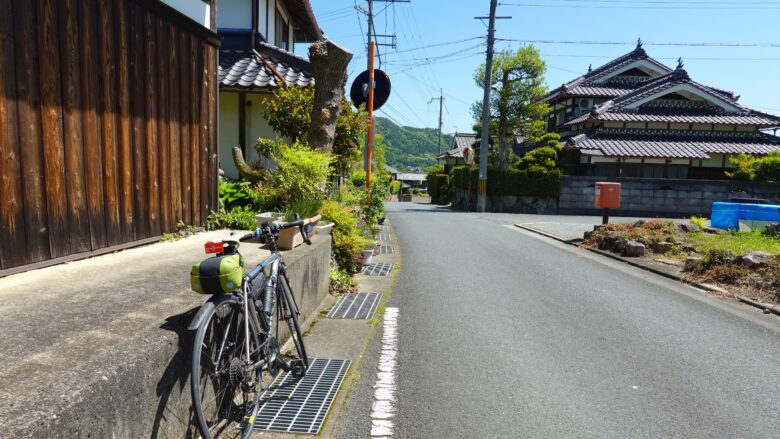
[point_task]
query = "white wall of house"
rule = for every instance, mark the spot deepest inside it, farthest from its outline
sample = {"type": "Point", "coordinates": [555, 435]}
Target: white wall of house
{"type": "Point", "coordinates": [256, 127]}
{"type": "Point", "coordinates": [197, 10]}
{"type": "Point", "coordinates": [228, 132]}
{"type": "Point", "coordinates": [234, 14]}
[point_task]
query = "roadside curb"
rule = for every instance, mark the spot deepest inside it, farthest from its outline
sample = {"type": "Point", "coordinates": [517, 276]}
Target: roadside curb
{"type": "Point", "coordinates": [628, 261]}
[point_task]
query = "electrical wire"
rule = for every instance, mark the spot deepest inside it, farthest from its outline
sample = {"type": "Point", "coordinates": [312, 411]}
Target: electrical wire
{"type": "Point", "coordinates": [667, 8]}
{"type": "Point", "coordinates": [623, 43]}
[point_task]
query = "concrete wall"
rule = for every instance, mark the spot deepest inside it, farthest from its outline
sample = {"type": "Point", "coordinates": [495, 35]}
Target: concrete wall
{"type": "Point", "coordinates": [508, 204]}
{"type": "Point", "coordinates": [661, 197]}
{"type": "Point", "coordinates": [145, 393]}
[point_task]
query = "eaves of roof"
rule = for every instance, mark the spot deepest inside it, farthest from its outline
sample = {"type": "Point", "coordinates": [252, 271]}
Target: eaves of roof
{"type": "Point", "coordinates": [249, 69]}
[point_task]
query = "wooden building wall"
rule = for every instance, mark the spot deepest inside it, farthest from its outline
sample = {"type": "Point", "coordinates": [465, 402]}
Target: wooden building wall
{"type": "Point", "coordinates": [107, 126]}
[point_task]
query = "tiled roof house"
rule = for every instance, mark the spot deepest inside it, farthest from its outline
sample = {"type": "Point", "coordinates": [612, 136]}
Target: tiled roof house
{"type": "Point", "coordinates": [256, 57]}
{"type": "Point", "coordinates": [635, 117]}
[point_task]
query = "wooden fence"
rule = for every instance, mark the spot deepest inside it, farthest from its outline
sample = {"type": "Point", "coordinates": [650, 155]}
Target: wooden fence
{"type": "Point", "coordinates": [107, 126]}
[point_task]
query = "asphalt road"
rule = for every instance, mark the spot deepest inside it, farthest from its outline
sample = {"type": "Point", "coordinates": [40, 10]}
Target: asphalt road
{"type": "Point", "coordinates": [503, 334]}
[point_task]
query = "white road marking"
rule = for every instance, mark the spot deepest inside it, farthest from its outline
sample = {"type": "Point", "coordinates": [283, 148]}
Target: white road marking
{"type": "Point", "coordinates": [383, 409]}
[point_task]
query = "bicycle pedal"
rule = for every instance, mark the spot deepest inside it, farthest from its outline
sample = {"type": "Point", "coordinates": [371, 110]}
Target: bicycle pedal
{"type": "Point", "coordinates": [297, 368]}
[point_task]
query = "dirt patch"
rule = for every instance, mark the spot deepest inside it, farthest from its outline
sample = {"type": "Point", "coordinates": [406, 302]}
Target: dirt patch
{"type": "Point", "coordinates": [667, 241]}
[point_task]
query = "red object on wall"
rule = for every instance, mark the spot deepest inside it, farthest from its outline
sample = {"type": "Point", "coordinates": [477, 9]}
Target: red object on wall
{"type": "Point", "coordinates": [607, 195]}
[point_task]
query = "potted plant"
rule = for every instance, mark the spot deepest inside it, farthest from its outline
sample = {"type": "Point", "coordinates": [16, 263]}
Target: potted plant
{"type": "Point", "coordinates": [308, 210]}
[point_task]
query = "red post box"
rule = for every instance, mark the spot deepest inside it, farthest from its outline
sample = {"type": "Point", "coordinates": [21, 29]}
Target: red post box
{"type": "Point", "coordinates": [607, 195]}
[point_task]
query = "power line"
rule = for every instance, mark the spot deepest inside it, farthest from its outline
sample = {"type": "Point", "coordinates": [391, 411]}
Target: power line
{"type": "Point", "coordinates": [445, 43]}
{"type": "Point", "coordinates": [562, 55]}
{"type": "Point", "coordinates": [668, 8]}
{"type": "Point", "coordinates": [622, 43]}
{"type": "Point", "coordinates": [673, 2]}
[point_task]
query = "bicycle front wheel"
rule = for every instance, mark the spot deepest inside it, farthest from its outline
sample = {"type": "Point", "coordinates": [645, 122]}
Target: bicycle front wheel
{"type": "Point", "coordinates": [221, 394]}
{"type": "Point", "coordinates": [290, 314]}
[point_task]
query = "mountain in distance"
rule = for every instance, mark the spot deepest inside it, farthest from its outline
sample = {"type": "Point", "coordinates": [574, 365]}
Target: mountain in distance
{"type": "Point", "coordinates": [409, 147]}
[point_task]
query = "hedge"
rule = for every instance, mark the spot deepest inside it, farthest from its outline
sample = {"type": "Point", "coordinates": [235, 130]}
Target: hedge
{"type": "Point", "coordinates": [510, 182]}
{"type": "Point", "coordinates": [438, 185]}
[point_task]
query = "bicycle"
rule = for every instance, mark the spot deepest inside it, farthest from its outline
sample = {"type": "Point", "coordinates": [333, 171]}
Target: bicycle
{"type": "Point", "coordinates": [237, 338]}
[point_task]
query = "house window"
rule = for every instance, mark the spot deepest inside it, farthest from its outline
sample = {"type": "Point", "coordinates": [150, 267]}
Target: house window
{"type": "Point", "coordinates": [282, 32]}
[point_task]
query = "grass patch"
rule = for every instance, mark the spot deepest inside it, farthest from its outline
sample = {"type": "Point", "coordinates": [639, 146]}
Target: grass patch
{"type": "Point", "coordinates": [738, 243]}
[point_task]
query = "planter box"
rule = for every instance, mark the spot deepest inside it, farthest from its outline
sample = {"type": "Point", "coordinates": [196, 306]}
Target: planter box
{"type": "Point", "coordinates": [268, 217]}
{"type": "Point", "coordinates": [291, 238]}
{"type": "Point", "coordinates": [325, 229]}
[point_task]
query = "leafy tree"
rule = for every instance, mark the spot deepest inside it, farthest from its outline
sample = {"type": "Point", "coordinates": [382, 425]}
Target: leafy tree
{"type": "Point", "coordinates": [768, 167]}
{"type": "Point", "coordinates": [289, 114]}
{"type": "Point", "coordinates": [516, 107]}
{"type": "Point", "coordinates": [744, 167]}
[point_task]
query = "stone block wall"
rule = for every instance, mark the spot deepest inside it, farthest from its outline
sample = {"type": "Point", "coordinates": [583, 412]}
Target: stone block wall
{"type": "Point", "coordinates": [508, 203]}
{"type": "Point", "coordinates": [661, 197]}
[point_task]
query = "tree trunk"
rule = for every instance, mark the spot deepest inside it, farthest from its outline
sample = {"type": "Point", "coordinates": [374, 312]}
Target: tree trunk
{"type": "Point", "coordinates": [244, 170]}
{"type": "Point", "coordinates": [329, 62]}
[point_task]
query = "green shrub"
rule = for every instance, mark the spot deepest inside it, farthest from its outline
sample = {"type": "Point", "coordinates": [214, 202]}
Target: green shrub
{"type": "Point", "coordinates": [768, 168]}
{"type": "Point", "coordinates": [241, 218]}
{"type": "Point", "coordinates": [439, 187]}
{"type": "Point", "coordinates": [348, 242]}
{"type": "Point", "coordinates": [743, 167]}
{"type": "Point", "coordinates": [699, 222]}
{"type": "Point", "coordinates": [235, 194]}
{"type": "Point", "coordinates": [394, 187]}
{"type": "Point", "coordinates": [302, 173]}
{"type": "Point", "coordinates": [341, 282]}
{"type": "Point", "coordinates": [304, 208]}
{"type": "Point", "coordinates": [510, 182]}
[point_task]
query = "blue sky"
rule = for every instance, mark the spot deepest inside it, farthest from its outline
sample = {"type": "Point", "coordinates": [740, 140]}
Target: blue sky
{"type": "Point", "coordinates": [751, 72]}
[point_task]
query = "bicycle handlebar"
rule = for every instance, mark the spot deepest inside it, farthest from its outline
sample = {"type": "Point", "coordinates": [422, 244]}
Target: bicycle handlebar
{"type": "Point", "coordinates": [275, 228]}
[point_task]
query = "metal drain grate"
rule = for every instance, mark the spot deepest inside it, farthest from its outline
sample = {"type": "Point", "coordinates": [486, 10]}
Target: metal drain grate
{"type": "Point", "coordinates": [381, 269]}
{"type": "Point", "coordinates": [384, 228]}
{"type": "Point", "coordinates": [386, 249]}
{"type": "Point", "coordinates": [300, 406]}
{"type": "Point", "coordinates": [356, 306]}
{"type": "Point", "coordinates": [383, 237]}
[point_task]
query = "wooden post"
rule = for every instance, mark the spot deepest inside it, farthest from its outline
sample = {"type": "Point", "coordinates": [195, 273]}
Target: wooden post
{"type": "Point", "coordinates": [370, 137]}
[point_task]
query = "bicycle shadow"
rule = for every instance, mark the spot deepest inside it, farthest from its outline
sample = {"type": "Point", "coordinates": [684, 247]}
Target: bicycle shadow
{"type": "Point", "coordinates": [174, 410]}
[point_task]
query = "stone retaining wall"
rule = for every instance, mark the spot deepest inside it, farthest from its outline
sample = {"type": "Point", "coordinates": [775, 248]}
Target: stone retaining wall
{"type": "Point", "coordinates": [661, 197]}
{"type": "Point", "coordinates": [508, 203]}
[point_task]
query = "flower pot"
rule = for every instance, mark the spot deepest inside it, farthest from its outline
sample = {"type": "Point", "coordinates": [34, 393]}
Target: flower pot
{"type": "Point", "coordinates": [291, 238]}
{"type": "Point", "coordinates": [268, 217]}
{"type": "Point", "coordinates": [368, 255]}
{"type": "Point", "coordinates": [324, 229]}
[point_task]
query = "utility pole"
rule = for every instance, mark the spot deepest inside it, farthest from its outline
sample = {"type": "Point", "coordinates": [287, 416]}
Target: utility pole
{"type": "Point", "coordinates": [441, 105]}
{"type": "Point", "coordinates": [484, 136]}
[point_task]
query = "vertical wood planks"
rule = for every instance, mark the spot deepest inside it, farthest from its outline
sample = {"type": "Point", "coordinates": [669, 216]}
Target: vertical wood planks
{"type": "Point", "coordinates": [184, 116]}
{"type": "Point", "coordinates": [174, 114]}
{"type": "Point", "coordinates": [51, 125]}
{"type": "Point", "coordinates": [90, 102]}
{"type": "Point", "coordinates": [30, 143]}
{"type": "Point", "coordinates": [78, 212]}
{"type": "Point", "coordinates": [125, 165]}
{"type": "Point", "coordinates": [108, 115]}
{"type": "Point", "coordinates": [212, 127]}
{"type": "Point", "coordinates": [107, 71]}
{"type": "Point", "coordinates": [153, 187]}
{"type": "Point", "coordinates": [203, 128]}
{"type": "Point", "coordinates": [12, 227]}
{"type": "Point", "coordinates": [166, 221]}
{"type": "Point", "coordinates": [196, 78]}
{"type": "Point", "coordinates": [138, 111]}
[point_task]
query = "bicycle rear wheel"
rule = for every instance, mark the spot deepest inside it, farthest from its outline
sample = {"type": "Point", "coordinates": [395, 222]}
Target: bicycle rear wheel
{"type": "Point", "coordinates": [290, 313]}
{"type": "Point", "coordinates": [220, 395]}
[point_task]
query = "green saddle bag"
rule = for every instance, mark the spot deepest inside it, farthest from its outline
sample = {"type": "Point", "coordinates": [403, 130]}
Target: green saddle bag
{"type": "Point", "coordinates": [217, 275]}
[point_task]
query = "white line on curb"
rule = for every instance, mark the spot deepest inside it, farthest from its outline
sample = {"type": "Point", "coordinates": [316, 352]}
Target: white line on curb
{"type": "Point", "coordinates": [383, 409]}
